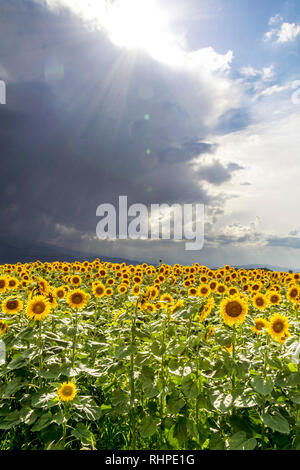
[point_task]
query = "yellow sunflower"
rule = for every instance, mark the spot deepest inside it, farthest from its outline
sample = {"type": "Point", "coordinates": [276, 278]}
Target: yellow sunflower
{"type": "Point", "coordinates": [278, 326]}
{"type": "Point", "coordinates": [167, 300]}
{"type": "Point", "coordinates": [260, 301]}
{"type": "Point", "coordinates": [77, 299]}
{"type": "Point", "coordinates": [12, 305]}
{"type": "Point", "coordinates": [122, 289]}
{"type": "Point", "coordinates": [193, 291]}
{"type": "Point", "coordinates": [3, 327]}
{"type": "Point", "coordinates": [38, 308]}
{"type": "Point", "coordinates": [204, 290]}
{"type": "Point", "coordinates": [293, 293]}
{"type": "Point", "coordinates": [60, 292]}
{"type": "Point", "coordinates": [234, 309]}
{"type": "Point", "coordinates": [3, 284]}
{"type": "Point", "coordinates": [109, 292]}
{"type": "Point", "coordinates": [209, 334]}
{"type": "Point", "coordinates": [206, 310]}
{"type": "Point", "coordinates": [260, 326]}
{"type": "Point", "coordinates": [98, 289]}
{"type": "Point", "coordinates": [274, 298]}
{"type": "Point", "coordinates": [67, 391]}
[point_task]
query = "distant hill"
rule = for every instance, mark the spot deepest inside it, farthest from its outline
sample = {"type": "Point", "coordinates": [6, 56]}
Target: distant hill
{"type": "Point", "coordinates": [13, 252]}
{"type": "Point", "coordinates": [266, 266]}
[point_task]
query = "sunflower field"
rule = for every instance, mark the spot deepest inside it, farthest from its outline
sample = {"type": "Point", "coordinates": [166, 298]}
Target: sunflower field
{"type": "Point", "coordinates": [114, 356]}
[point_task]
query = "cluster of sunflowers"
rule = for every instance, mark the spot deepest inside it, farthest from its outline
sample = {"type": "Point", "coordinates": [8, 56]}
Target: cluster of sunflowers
{"type": "Point", "coordinates": [75, 284]}
{"type": "Point", "coordinates": [265, 302]}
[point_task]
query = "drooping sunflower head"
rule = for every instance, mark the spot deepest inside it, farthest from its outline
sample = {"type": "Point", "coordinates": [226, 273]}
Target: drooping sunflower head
{"type": "Point", "coordinates": [67, 391]}
{"type": "Point", "coordinates": [260, 326]}
{"type": "Point", "coordinates": [43, 286]}
{"type": "Point", "coordinates": [278, 326]}
{"type": "Point", "coordinates": [3, 284]}
{"type": "Point", "coordinates": [234, 309]}
{"type": "Point", "coordinates": [209, 334]}
{"type": "Point", "coordinates": [12, 305]}
{"type": "Point", "coordinates": [207, 308]}
{"type": "Point", "coordinates": [3, 327]}
{"type": "Point", "coordinates": [77, 299]}
{"type": "Point", "coordinates": [135, 289]}
{"type": "Point", "coordinates": [38, 308]}
{"type": "Point", "coordinates": [167, 300]}
{"type": "Point", "coordinates": [149, 307]}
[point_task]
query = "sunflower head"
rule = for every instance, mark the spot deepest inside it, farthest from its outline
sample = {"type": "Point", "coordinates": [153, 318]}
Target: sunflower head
{"type": "Point", "coordinates": [38, 308]}
{"type": "Point", "coordinates": [77, 299]}
{"type": "Point", "coordinates": [3, 327]}
{"type": "Point", "coordinates": [98, 289]}
{"type": "Point", "coordinates": [12, 305]}
{"type": "Point", "coordinates": [260, 326]}
{"type": "Point", "coordinates": [234, 309]}
{"type": "Point", "coordinates": [67, 391]}
{"type": "Point", "coordinates": [278, 326]}
{"type": "Point", "coordinates": [260, 301]}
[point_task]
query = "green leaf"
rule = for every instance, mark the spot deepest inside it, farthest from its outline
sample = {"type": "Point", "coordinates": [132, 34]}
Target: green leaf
{"type": "Point", "coordinates": [175, 403]}
{"type": "Point", "coordinates": [158, 349]}
{"type": "Point", "coordinates": [12, 387]}
{"type": "Point", "coordinates": [13, 419]}
{"type": "Point", "coordinates": [17, 363]}
{"type": "Point", "coordinates": [88, 410]}
{"type": "Point", "coordinates": [223, 338]}
{"type": "Point", "coordinates": [180, 430]}
{"type": "Point", "coordinates": [243, 401]}
{"type": "Point", "coordinates": [239, 441]}
{"type": "Point", "coordinates": [295, 397]}
{"type": "Point", "coordinates": [43, 399]}
{"type": "Point", "coordinates": [222, 402]}
{"type": "Point", "coordinates": [148, 426]}
{"type": "Point", "coordinates": [189, 387]}
{"type": "Point", "coordinates": [82, 433]}
{"type": "Point", "coordinates": [28, 415]}
{"type": "Point", "coordinates": [262, 386]}
{"type": "Point", "coordinates": [42, 422]}
{"type": "Point", "coordinates": [150, 390]}
{"type": "Point", "coordinates": [276, 422]}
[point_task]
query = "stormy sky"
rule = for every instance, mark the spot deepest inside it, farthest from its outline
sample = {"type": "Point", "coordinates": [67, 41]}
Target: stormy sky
{"type": "Point", "coordinates": [171, 102]}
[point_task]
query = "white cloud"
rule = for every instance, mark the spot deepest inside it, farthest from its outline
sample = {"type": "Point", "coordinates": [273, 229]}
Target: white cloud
{"type": "Point", "coordinates": [266, 74]}
{"type": "Point", "coordinates": [275, 19]}
{"type": "Point", "coordinates": [270, 152]}
{"type": "Point", "coordinates": [286, 33]}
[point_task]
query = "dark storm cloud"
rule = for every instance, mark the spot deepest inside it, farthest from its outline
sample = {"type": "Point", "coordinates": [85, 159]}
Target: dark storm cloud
{"type": "Point", "coordinates": [216, 173]}
{"type": "Point", "coordinates": [86, 122]}
{"type": "Point", "coordinates": [285, 242]}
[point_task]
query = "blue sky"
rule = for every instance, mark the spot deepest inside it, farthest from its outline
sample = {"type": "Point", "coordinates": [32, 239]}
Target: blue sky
{"type": "Point", "coordinates": [219, 80]}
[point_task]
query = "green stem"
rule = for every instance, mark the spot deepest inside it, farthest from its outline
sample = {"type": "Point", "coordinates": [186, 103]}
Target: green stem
{"type": "Point", "coordinates": [132, 386]}
{"type": "Point", "coordinates": [41, 352]}
{"type": "Point", "coordinates": [74, 341]}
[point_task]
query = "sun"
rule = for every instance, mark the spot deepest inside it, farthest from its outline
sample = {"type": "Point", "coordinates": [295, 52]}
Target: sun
{"type": "Point", "coordinates": [142, 24]}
